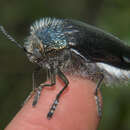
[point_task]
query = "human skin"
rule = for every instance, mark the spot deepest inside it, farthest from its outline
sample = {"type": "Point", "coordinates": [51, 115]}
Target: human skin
{"type": "Point", "coordinates": [77, 109]}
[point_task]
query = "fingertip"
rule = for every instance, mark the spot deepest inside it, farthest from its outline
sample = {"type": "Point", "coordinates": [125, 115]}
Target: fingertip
{"type": "Point", "coordinates": [76, 110]}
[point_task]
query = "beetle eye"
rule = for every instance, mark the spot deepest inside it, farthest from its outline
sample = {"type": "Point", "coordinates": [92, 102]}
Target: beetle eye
{"type": "Point", "coordinates": [37, 53]}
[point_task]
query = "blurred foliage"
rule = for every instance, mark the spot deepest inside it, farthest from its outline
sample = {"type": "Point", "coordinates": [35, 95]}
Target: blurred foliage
{"type": "Point", "coordinates": [16, 70]}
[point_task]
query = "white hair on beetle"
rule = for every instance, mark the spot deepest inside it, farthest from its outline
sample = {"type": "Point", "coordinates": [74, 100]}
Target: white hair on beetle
{"type": "Point", "coordinates": [44, 22]}
{"type": "Point", "coordinates": [114, 75]}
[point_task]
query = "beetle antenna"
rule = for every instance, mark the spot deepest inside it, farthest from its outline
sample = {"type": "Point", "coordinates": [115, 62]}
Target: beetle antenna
{"type": "Point", "coordinates": [12, 39]}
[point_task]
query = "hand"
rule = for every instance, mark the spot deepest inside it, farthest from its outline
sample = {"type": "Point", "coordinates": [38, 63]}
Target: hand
{"type": "Point", "coordinates": [77, 109]}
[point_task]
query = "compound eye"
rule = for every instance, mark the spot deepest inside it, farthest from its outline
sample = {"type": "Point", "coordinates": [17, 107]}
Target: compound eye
{"type": "Point", "coordinates": [37, 53]}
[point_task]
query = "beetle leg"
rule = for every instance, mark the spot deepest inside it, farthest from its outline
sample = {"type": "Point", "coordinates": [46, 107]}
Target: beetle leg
{"type": "Point", "coordinates": [35, 72]}
{"type": "Point", "coordinates": [99, 107]}
{"type": "Point", "coordinates": [39, 89]}
{"type": "Point", "coordinates": [56, 101]}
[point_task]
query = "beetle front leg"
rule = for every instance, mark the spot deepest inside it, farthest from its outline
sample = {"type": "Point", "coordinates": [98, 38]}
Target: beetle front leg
{"type": "Point", "coordinates": [39, 89]}
{"type": "Point", "coordinates": [34, 74]}
{"type": "Point", "coordinates": [56, 101]}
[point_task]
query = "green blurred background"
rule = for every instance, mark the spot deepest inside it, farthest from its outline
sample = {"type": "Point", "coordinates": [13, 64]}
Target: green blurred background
{"type": "Point", "coordinates": [16, 70]}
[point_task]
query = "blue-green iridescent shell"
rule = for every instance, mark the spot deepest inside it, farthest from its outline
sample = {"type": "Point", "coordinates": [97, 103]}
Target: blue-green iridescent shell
{"type": "Point", "coordinates": [50, 32]}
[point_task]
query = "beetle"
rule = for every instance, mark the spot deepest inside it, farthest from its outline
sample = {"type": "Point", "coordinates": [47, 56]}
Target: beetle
{"type": "Point", "coordinates": [70, 46]}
